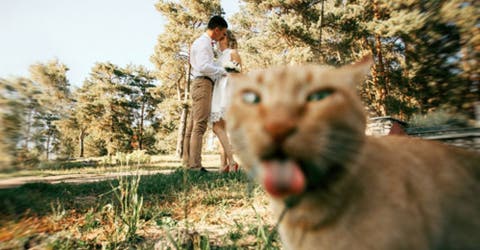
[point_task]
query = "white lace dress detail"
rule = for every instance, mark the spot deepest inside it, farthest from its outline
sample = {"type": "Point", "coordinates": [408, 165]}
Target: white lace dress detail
{"type": "Point", "coordinates": [220, 89]}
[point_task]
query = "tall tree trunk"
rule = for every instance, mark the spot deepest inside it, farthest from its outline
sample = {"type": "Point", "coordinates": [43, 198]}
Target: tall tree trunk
{"type": "Point", "coordinates": [379, 69]}
{"type": "Point", "coordinates": [182, 130]}
{"type": "Point", "coordinates": [406, 78]}
{"type": "Point", "coordinates": [321, 28]}
{"type": "Point", "coordinates": [184, 115]}
{"type": "Point", "coordinates": [140, 133]}
{"type": "Point", "coordinates": [179, 89]}
{"type": "Point", "coordinates": [29, 127]}
{"type": "Point", "coordinates": [81, 138]}
{"type": "Point", "coordinates": [112, 133]}
{"type": "Point", "coordinates": [47, 155]}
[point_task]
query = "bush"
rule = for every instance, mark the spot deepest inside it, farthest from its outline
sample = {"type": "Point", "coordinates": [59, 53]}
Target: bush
{"type": "Point", "coordinates": [438, 117]}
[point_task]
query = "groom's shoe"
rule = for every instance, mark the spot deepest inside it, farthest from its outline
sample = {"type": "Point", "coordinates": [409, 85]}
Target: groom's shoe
{"type": "Point", "coordinates": [199, 169]}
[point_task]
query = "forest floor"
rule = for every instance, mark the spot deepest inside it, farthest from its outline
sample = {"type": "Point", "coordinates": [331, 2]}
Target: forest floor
{"type": "Point", "coordinates": [159, 206]}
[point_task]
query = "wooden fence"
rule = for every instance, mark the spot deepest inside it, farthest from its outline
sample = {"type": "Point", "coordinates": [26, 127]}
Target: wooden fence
{"type": "Point", "coordinates": [466, 137]}
{"type": "Point", "coordinates": [462, 137]}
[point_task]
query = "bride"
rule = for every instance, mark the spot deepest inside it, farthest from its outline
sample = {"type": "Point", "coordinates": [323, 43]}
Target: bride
{"type": "Point", "coordinates": [231, 61]}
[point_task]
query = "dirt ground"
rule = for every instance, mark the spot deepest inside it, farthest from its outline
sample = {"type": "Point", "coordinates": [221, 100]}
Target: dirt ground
{"type": "Point", "coordinates": [210, 162]}
{"type": "Point", "coordinates": [77, 178]}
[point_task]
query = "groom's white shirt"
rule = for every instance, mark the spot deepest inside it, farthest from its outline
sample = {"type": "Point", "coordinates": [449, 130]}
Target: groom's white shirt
{"type": "Point", "coordinates": [202, 59]}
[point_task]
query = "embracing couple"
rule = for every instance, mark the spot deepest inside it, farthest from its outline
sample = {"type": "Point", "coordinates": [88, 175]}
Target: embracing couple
{"type": "Point", "coordinates": [208, 91]}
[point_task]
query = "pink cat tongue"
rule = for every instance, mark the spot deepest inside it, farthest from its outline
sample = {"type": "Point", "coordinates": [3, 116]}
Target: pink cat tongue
{"type": "Point", "coordinates": [283, 178]}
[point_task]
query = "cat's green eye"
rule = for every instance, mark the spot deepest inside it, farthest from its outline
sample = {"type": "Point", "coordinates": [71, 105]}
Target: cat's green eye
{"type": "Point", "coordinates": [319, 95]}
{"type": "Point", "coordinates": [251, 97]}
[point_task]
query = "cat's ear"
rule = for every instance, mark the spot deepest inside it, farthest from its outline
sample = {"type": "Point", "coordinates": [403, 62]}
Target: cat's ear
{"type": "Point", "coordinates": [364, 64]}
{"type": "Point", "coordinates": [235, 82]}
{"type": "Point", "coordinates": [235, 77]}
{"type": "Point", "coordinates": [360, 69]}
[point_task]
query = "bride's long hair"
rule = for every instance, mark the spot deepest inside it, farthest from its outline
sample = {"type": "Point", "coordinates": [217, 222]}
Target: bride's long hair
{"type": "Point", "coordinates": [232, 41]}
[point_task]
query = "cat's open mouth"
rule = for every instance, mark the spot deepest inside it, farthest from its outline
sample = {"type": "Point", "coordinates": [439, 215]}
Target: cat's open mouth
{"type": "Point", "coordinates": [282, 178]}
{"type": "Point", "coordinates": [285, 177]}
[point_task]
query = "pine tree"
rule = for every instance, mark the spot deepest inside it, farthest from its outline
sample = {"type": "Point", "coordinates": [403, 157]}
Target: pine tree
{"type": "Point", "coordinates": [106, 101]}
{"type": "Point", "coordinates": [433, 75]}
{"type": "Point", "coordinates": [10, 131]}
{"type": "Point", "coordinates": [54, 99]}
{"type": "Point", "coordinates": [74, 125]}
{"type": "Point", "coordinates": [21, 108]}
{"type": "Point", "coordinates": [140, 80]}
{"type": "Point", "coordinates": [423, 50]}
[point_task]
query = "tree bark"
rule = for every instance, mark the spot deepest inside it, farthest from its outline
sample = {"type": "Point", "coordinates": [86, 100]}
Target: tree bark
{"type": "Point", "coordinates": [112, 133]}
{"type": "Point", "coordinates": [379, 69]}
{"type": "Point", "coordinates": [321, 28]}
{"type": "Point", "coordinates": [29, 126]}
{"type": "Point", "coordinates": [48, 146]}
{"type": "Point", "coordinates": [184, 115]}
{"type": "Point", "coordinates": [181, 130]}
{"type": "Point", "coordinates": [81, 139]}
{"type": "Point", "coordinates": [140, 132]}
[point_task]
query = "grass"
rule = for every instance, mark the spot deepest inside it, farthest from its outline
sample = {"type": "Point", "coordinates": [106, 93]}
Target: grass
{"type": "Point", "coordinates": [93, 166]}
{"type": "Point", "coordinates": [181, 210]}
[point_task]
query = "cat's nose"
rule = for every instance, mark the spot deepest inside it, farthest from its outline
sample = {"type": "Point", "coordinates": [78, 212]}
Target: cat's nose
{"type": "Point", "coordinates": [280, 129]}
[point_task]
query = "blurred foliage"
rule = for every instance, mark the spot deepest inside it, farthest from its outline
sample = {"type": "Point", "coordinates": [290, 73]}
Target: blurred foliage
{"type": "Point", "coordinates": [114, 111]}
{"type": "Point", "coordinates": [426, 52]}
{"type": "Point", "coordinates": [438, 118]}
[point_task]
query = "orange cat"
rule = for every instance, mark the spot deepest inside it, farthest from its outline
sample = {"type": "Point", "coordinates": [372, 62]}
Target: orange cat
{"type": "Point", "coordinates": [300, 130]}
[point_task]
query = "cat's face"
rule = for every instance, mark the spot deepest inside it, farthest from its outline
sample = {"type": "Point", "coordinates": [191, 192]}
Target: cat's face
{"type": "Point", "coordinates": [293, 126]}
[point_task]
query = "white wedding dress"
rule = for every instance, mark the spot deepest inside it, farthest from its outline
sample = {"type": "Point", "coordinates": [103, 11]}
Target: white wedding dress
{"type": "Point", "coordinates": [220, 89]}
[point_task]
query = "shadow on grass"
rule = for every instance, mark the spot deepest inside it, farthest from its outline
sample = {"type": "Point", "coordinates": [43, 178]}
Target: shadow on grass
{"type": "Point", "coordinates": [36, 198]}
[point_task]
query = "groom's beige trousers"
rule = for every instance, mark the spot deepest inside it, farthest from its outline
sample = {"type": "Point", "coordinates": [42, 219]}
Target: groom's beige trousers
{"type": "Point", "coordinates": [201, 92]}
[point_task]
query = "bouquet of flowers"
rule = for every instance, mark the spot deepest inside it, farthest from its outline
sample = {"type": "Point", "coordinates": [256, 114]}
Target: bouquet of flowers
{"type": "Point", "coordinates": [216, 52]}
{"type": "Point", "coordinates": [232, 67]}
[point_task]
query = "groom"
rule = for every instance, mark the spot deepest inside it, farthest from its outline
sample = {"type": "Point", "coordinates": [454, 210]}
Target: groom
{"type": "Point", "coordinates": [204, 72]}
